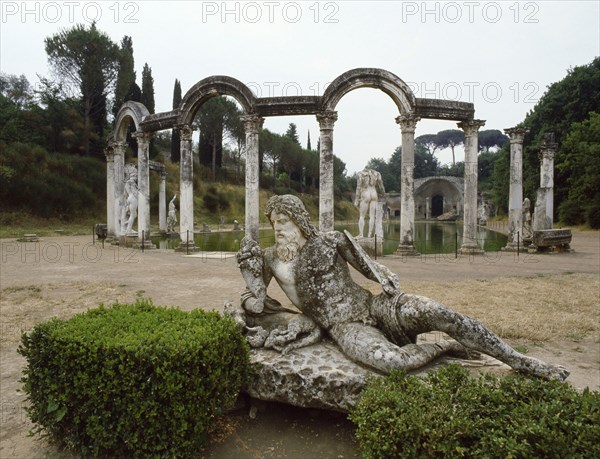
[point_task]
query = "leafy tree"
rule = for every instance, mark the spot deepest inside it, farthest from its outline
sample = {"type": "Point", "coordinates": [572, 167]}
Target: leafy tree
{"type": "Point", "coordinates": [213, 117]}
{"type": "Point", "coordinates": [124, 87]}
{"type": "Point", "coordinates": [450, 138]}
{"type": "Point", "coordinates": [565, 102]}
{"type": "Point", "coordinates": [148, 88]}
{"type": "Point", "coordinates": [491, 138]}
{"type": "Point", "coordinates": [485, 163]}
{"type": "Point", "coordinates": [89, 59]}
{"type": "Point", "coordinates": [16, 89]}
{"type": "Point", "coordinates": [175, 138]}
{"type": "Point", "coordinates": [63, 125]}
{"type": "Point", "coordinates": [580, 152]}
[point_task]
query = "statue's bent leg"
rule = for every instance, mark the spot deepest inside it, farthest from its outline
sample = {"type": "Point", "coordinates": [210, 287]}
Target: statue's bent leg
{"type": "Point", "coordinates": [369, 346]}
{"type": "Point", "coordinates": [416, 314]}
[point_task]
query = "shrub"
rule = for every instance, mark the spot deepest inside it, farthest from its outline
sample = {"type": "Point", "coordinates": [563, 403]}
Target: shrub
{"type": "Point", "coordinates": [132, 380]}
{"type": "Point", "coordinates": [450, 414]}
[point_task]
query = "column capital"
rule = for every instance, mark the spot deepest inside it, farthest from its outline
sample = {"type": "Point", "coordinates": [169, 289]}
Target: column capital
{"type": "Point", "coordinates": [516, 134]}
{"type": "Point", "coordinates": [408, 122]}
{"type": "Point", "coordinates": [326, 119]}
{"type": "Point", "coordinates": [471, 127]}
{"type": "Point", "coordinates": [252, 122]}
{"type": "Point", "coordinates": [185, 131]}
{"type": "Point", "coordinates": [142, 137]}
{"type": "Point", "coordinates": [548, 146]}
{"type": "Point", "coordinates": [109, 152]}
{"type": "Point", "coordinates": [119, 147]}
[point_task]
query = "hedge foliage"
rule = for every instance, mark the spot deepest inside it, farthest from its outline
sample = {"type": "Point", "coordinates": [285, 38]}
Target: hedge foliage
{"type": "Point", "coordinates": [133, 380]}
{"type": "Point", "coordinates": [451, 414]}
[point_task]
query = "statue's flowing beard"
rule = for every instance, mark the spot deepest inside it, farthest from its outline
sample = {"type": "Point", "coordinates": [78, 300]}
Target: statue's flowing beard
{"type": "Point", "coordinates": [288, 247]}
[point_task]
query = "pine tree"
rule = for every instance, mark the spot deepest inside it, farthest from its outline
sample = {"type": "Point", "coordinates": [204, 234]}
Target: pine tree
{"type": "Point", "coordinates": [89, 59]}
{"type": "Point", "coordinates": [308, 145]}
{"type": "Point", "coordinates": [175, 139]}
{"type": "Point", "coordinates": [148, 88]}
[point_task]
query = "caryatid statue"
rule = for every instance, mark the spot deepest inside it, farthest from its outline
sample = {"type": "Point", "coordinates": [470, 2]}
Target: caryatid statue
{"type": "Point", "coordinates": [368, 183]}
{"type": "Point", "coordinates": [130, 199]}
{"type": "Point", "coordinates": [376, 330]}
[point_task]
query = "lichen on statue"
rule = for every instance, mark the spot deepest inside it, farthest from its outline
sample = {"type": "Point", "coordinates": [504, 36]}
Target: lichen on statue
{"type": "Point", "coordinates": [376, 330]}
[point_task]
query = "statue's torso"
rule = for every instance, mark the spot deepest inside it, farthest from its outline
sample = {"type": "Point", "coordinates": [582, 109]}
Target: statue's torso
{"type": "Point", "coordinates": [318, 282]}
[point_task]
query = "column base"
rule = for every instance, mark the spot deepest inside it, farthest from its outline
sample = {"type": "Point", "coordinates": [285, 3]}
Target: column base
{"type": "Point", "coordinates": [467, 249]}
{"type": "Point", "coordinates": [185, 247]}
{"type": "Point", "coordinates": [127, 240]}
{"type": "Point", "coordinates": [147, 245]}
{"type": "Point", "coordinates": [513, 247]}
{"type": "Point", "coordinates": [407, 250]}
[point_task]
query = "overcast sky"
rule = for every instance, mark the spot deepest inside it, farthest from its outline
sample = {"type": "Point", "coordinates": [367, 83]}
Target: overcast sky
{"type": "Point", "coordinates": [499, 55]}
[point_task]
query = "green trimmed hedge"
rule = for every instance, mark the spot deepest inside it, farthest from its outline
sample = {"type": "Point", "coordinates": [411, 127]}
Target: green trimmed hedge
{"type": "Point", "coordinates": [133, 380]}
{"type": "Point", "coordinates": [452, 414]}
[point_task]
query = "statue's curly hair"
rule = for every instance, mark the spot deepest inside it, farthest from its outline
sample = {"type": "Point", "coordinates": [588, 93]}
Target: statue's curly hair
{"type": "Point", "coordinates": [292, 206]}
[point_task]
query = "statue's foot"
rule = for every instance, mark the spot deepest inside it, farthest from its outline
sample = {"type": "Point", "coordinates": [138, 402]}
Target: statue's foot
{"type": "Point", "coordinates": [545, 370]}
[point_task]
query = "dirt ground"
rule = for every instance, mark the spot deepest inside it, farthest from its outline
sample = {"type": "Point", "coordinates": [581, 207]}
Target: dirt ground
{"type": "Point", "coordinates": [61, 276]}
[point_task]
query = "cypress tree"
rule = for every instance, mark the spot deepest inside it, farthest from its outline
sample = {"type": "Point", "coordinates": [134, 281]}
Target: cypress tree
{"type": "Point", "coordinates": [175, 139]}
{"type": "Point", "coordinates": [124, 87]}
{"type": "Point", "coordinates": [148, 88]}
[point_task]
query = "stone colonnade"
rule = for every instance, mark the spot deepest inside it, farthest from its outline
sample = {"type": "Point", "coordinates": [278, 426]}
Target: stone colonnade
{"type": "Point", "coordinates": [410, 109]}
{"type": "Point", "coordinates": [115, 184]}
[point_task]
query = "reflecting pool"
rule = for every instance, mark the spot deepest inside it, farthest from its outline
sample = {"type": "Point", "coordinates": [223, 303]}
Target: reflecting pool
{"type": "Point", "coordinates": [430, 237]}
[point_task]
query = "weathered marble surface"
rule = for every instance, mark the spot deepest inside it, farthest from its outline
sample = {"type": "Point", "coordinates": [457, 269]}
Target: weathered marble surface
{"type": "Point", "coordinates": [317, 376]}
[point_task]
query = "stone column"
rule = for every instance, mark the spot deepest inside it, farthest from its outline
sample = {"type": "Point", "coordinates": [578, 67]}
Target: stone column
{"type": "Point", "coordinates": [408, 124]}
{"type": "Point", "coordinates": [162, 202]}
{"type": "Point", "coordinates": [119, 171]}
{"type": "Point", "coordinates": [143, 142]}
{"type": "Point", "coordinates": [469, 245]}
{"type": "Point", "coordinates": [186, 190]}
{"type": "Point", "coordinates": [515, 191]}
{"type": "Point", "coordinates": [427, 207]}
{"type": "Point", "coordinates": [252, 125]}
{"type": "Point", "coordinates": [548, 150]}
{"type": "Point", "coordinates": [110, 190]}
{"type": "Point", "coordinates": [326, 121]}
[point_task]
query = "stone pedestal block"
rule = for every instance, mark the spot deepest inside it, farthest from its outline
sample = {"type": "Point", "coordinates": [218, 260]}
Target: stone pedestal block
{"type": "Point", "coordinates": [372, 248]}
{"type": "Point", "coordinates": [317, 376]}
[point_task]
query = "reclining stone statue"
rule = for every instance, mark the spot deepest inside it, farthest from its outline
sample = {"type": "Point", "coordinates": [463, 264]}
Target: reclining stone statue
{"type": "Point", "coordinates": [378, 331]}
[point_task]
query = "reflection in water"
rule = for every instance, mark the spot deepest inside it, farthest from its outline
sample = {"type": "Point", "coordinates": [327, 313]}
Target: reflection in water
{"type": "Point", "coordinates": [429, 237]}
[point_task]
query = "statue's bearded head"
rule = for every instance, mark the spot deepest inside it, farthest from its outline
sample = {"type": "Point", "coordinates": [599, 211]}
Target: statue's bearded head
{"type": "Point", "coordinates": [291, 223]}
{"type": "Point", "coordinates": [288, 238]}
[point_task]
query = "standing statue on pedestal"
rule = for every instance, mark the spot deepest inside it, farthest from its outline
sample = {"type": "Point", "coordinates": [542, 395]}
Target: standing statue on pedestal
{"type": "Point", "coordinates": [368, 183]}
{"type": "Point", "coordinates": [379, 331]}
{"type": "Point", "coordinates": [172, 216]}
{"type": "Point", "coordinates": [130, 199]}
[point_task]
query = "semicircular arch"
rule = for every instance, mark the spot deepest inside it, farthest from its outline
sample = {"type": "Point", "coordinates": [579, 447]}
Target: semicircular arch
{"type": "Point", "coordinates": [380, 79]}
{"type": "Point", "coordinates": [134, 111]}
{"type": "Point", "coordinates": [218, 85]}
